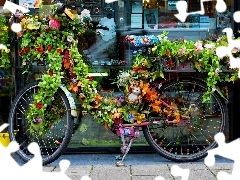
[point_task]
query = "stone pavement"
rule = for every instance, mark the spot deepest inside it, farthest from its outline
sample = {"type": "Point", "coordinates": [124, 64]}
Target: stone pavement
{"type": "Point", "coordinates": [138, 167]}
{"type": "Point", "coordinates": [141, 172]}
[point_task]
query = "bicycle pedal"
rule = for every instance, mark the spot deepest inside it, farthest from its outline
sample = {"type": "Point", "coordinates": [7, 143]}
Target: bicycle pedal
{"type": "Point", "coordinates": [120, 163]}
{"type": "Point", "coordinates": [119, 157]}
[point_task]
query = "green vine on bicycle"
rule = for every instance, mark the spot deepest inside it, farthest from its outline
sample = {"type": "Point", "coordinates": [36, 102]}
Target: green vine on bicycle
{"type": "Point", "coordinates": [52, 40]}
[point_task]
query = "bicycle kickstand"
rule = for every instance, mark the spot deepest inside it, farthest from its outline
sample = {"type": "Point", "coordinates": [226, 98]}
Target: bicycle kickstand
{"type": "Point", "coordinates": [125, 149]}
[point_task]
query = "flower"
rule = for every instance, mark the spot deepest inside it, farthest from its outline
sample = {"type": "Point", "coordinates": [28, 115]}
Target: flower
{"type": "Point", "coordinates": [40, 49]}
{"type": "Point", "coordinates": [84, 16]}
{"type": "Point", "coordinates": [5, 28]}
{"type": "Point", "coordinates": [39, 105]}
{"type": "Point", "coordinates": [26, 49]}
{"type": "Point", "coordinates": [49, 47]}
{"type": "Point", "coordinates": [235, 49]}
{"type": "Point", "coordinates": [69, 38]}
{"type": "Point", "coordinates": [54, 24]}
{"type": "Point", "coordinates": [198, 46]}
{"type": "Point", "coordinates": [181, 51]}
{"type": "Point", "coordinates": [38, 119]}
{"type": "Point", "coordinates": [7, 50]}
{"type": "Point", "coordinates": [209, 46]}
{"type": "Point", "coordinates": [59, 50]}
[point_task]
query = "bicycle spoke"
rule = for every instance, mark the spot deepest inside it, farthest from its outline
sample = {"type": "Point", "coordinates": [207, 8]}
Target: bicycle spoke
{"type": "Point", "coordinates": [196, 129]}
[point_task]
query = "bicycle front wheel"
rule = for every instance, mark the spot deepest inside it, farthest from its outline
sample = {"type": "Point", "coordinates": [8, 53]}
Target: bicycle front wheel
{"type": "Point", "coordinates": [53, 143]}
{"type": "Point", "coordinates": [191, 138]}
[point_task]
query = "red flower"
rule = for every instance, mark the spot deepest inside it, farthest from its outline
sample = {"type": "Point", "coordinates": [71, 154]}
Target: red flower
{"type": "Point", "coordinates": [26, 49]}
{"type": "Point", "coordinates": [20, 52]}
{"type": "Point", "coordinates": [90, 78]}
{"type": "Point", "coordinates": [59, 51]}
{"type": "Point", "coordinates": [39, 105]}
{"type": "Point", "coordinates": [40, 49]}
{"type": "Point", "coordinates": [47, 30]}
{"type": "Point", "coordinates": [49, 47]}
{"type": "Point", "coordinates": [135, 68]}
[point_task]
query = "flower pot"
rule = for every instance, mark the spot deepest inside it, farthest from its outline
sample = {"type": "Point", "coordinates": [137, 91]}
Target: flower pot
{"type": "Point", "coordinates": [185, 67]}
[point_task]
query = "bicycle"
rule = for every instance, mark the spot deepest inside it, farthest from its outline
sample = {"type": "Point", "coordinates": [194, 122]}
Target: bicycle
{"type": "Point", "coordinates": [184, 140]}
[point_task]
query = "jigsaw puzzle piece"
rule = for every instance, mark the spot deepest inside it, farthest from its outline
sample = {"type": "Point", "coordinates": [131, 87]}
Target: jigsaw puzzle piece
{"type": "Point", "coordinates": [236, 16]}
{"type": "Point", "coordinates": [177, 171]}
{"type": "Point", "coordinates": [34, 164]}
{"type": "Point", "coordinates": [221, 6]}
{"type": "Point", "coordinates": [182, 7]}
{"type": "Point", "coordinates": [227, 150]}
{"type": "Point", "coordinates": [159, 178]}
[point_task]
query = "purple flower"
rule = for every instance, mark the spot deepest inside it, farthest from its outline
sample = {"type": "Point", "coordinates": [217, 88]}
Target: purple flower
{"type": "Point", "coordinates": [38, 119]}
{"type": "Point", "coordinates": [121, 98]}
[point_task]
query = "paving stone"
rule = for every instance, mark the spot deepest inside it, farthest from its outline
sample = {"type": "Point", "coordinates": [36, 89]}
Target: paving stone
{"type": "Point", "coordinates": [199, 174]}
{"type": "Point", "coordinates": [76, 171]}
{"type": "Point", "coordinates": [191, 166]}
{"type": "Point", "coordinates": [48, 169]}
{"type": "Point", "coordinates": [110, 172]}
{"type": "Point", "coordinates": [150, 170]}
{"type": "Point", "coordinates": [216, 171]}
{"type": "Point", "coordinates": [148, 178]}
{"type": "Point", "coordinates": [222, 166]}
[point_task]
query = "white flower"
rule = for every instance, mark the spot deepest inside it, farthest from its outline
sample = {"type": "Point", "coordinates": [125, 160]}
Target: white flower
{"type": "Point", "coordinates": [85, 12]}
{"type": "Point", "coordinates": [69, 38]}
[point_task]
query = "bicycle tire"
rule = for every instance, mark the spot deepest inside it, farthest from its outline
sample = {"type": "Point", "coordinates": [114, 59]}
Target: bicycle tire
{"type": "Point", "coordinates": [173, 151]}
{"type": "Point", "coordinates": [50, 151]}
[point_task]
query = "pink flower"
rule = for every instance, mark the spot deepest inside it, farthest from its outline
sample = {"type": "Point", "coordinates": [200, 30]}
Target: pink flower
{"type": "Point", "coordinates": [54, 24]}
{"type": "Point", "coordinates": [181, 51]}
{"type": "Point", "coordinates": [198, 46]}
{"type": "Point", "coordinates": [235, 49]}
{"type": "Point", "coordinates": [209, 46]}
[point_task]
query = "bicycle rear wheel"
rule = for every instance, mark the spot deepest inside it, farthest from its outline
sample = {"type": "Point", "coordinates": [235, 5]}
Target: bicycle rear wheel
{"type": "Point", "coordinates": [191, 138]}
{"type": "Point", "coordinates": [53, 143]}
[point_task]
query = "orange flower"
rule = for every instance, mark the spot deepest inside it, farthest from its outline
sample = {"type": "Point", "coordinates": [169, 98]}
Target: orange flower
{"type": "Point", "coordinates": [168, 53]}
{"type": "Point", "coordinates": [73, 88]}
{"type": "Point", "coordinates": [151, 95]}
{"type": "Point", "coordinates": [117, 115]}
{"type": "Point", "coordinates": [156, 106]}
{"type": "Point", "coordinates": [66, 63]}
{"type": "Point", "coordinates": [98, 98]}
{"type": "Point", "coordinates": [135, 68]}
{"type": "Point", "coordinates": [144, 87]}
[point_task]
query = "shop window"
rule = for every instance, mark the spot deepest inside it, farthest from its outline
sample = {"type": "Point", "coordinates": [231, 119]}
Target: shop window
{"type": "Point", "coordinates": [159, 14]}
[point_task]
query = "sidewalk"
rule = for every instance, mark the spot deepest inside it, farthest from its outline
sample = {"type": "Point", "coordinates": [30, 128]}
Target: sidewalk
{"type": "Point", "coordinates": [138, 167]}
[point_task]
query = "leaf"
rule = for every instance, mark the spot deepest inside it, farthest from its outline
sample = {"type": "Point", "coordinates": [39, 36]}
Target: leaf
{"type": "Point", "coordinates": [83, 128]}
{"type": "Point", "coordinates": [85, 142]}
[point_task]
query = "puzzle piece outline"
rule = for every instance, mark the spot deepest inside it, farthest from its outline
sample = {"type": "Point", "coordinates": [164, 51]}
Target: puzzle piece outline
{"type": "Point", "coordinates": [226, 150]}
{"type": "Point", "coordinates": [182, 6]}
{"type": "Point", "coordinates": [34, 165]}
